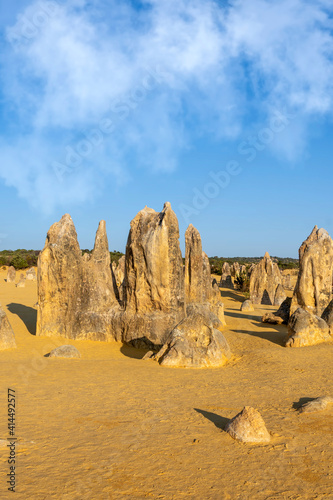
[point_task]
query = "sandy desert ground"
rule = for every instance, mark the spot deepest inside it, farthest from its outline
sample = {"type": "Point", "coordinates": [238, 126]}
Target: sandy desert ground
{"type": "Point", "coordinates": [110, 426]}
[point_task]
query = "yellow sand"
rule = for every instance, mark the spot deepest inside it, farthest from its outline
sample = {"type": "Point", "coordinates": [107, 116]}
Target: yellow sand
{"type": "Point", "coordinates": [111, 426]}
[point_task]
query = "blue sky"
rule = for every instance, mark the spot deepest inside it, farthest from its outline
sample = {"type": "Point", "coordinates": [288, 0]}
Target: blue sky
{"type": "Point", "coordinates": [222, 108]}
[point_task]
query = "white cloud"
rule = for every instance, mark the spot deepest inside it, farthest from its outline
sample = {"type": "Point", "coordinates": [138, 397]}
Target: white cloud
{"type": "Point", "coordinates": [65, 71]}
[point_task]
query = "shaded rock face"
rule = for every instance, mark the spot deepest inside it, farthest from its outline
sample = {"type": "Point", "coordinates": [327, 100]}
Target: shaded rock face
{"type": "Point", "coordinates": [194, 343]}
{"type": "Point", "coordinates": [11, 275]}
{"type": "Point", "coordinates": [247, 306]}
{"type": "Point", "coordinates": [75, 292]}
{"type": "Point", "coordinates": [7, 337]}
{"type": "Point", "coordinates": [327, 316]}
{"type": "Point", "coordinates": [119, 277]}
{"type": "Point", "coordinates": [280, 295]}
{"type": "Point", "coordinates": [306, 329]}
{"type": "Point", "coordinates": [248, 426]}
{"type": "Point", "coordinates": [281, 316]}
{"type": "Point", "coordinates": [154, 298]}
{"type": "Point", "coordinates": [65, 351]}
{"type": "Point", "coordinates": [264, 281]}
{"type": "Point", "coordinates": [313, 291]}
{"type": "Point", "coordinates": [30, 275]}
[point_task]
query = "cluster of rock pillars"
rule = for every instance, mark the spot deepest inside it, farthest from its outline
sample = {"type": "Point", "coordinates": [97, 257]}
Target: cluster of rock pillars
{"type": "Point", "coordinates": [152, 299]}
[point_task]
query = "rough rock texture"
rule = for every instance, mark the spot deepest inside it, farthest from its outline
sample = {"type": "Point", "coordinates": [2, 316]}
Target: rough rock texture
{"type": "Point", "coordinates": [75, 292]}
{"type": "Point", "coordinates": [119, 277]}
{"type": "Point", "coordinates": [200, 296]}
{"type": "Point", "coordinates": [65, 351]}
{"type": "Point", "coordinates": [7, 337]}
{"type": "Point", "coordinates": [281, 316]}
{"type": "Point", "coordinates": [317, 404]}
{"type": "Point", "coordinates": [247, 306]}
{"type": "Point", "coordinates": [226, 281]}
{"type": "Point", "coordinates": [30, 275]}
{"type": "Point", "coordinates": [265, 278]}
{"type": "Point", "coordinates": [235, 269]}
{"type": "Point", "coordinates": [289, 278]}
{"type": "Point", "coordinates": [328, 316]}
{"type": "Point", "coordinates": [243, 270]}
{"type": "Point", "coordinates": [194, 343]}
{"type": "Point", "coordinates": [226, 268]}
{"type": "Point", "coordinates": [21, 282]}
{"type": "Point", "coordinates": [306, 329]}
{"type": "Point", "coordinates": [248, 426]}
{"type": "Point", "coordinates": [313, 291]}
{"type": "Point", "coordinates": [280, 295]}
{"type": "Point", "coordinates": [154, 284]}
{"type": "Point", "coordinates": [11, 274]}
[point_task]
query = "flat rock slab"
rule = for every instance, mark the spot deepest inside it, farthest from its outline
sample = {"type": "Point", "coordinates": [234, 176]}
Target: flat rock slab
{"type": "Point", "coordinates": [248, 426]}
{"type": "Point", "coordinates": [65, 351]}
{"type": "Point", "coordinates": [317, 404]}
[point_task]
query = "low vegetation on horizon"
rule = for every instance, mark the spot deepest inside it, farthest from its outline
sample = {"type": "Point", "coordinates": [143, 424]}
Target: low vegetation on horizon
{"type": "Point", "coordinates": [22, 259]}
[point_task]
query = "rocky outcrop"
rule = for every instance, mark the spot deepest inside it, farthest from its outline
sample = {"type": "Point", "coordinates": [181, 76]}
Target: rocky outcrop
{"type": "Point", "coordinates": [65, 351]}
{"type": "Point", "coordinates": [75, 293]}
{"type": "Point", "coordinates": [247, 306]}
{"type": "Point", "coordinates": [248, 426]}
{"type": "Point", "coordinates": [11, 274]}
{"type": "Point", "coordinates": [7, 337]}
{"type": "Point", "coordinates": [154, 298]}
{"type": "Point", "coordinates": [194, 343]}
{"type": "Point", "coordinates": [281, 316]}
{"type": "Point", "coordinates": [305, 329]}
{"type": "Point", "coordinates": [235, 269]}
{"type": "Point", "coordinates": [317, 404]}
{"type": "Point", "coordinates": [118, 276]}
{"type": "Point", "coordinates": [313, 291]}
{"type": "Point", "coordinates": [30, 275]}
{"type": "Point", "coordinates": [264, 281]}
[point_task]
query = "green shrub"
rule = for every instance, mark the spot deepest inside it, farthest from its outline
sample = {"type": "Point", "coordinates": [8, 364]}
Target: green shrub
{"type": "Point", "coordinates": [18, 262]}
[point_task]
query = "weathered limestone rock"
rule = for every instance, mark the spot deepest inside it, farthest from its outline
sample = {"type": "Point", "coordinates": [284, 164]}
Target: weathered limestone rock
{"type": "Point", "coordinates": [154, 283]}
{"type": "Point", "coordinates": [30, 275]}
{"type": "Point", "coordinates": [265, 278]}
{"type": "Point", "coordinates": [200, 296]}
{"type": "Point", "coordinates": [21, 282]}
{"type": "Point", "coordinates": [65, 351]}
{"type": "Point", "coordinates": [280, 295]}
{"type": "Point", "coordinates": [7, 337]}
{"type": "Point", "coordinates": [313, 291]}
{"type": "Point", "coordinates": [75, 293]}
{"type": "Point", "coordinates": [11, 274]}
{"type": "Point", "coordinates": [226, 268]}
{"type": "Point", "coordinates": [242, 270]}
{"type": "Point", "coordinates": [248, 426]}
{"type": "Point", "coordinates": [281, 316]}
{"type": "Point", "coordinates": [226, 281]}
{"type": "Point", "coordinates": [317, 404]}
{"type": "Point", "coordinates": [194, 343]}
{"type": "Point", "coordinates": [327, 316]}
{"type": "Point", "coordinates": [306, 329]}
{"type": "Point", "coordinates": [235, 269]}
{"type": "Point", "coordinates": [247, 306]}
{"type": "Point", "coordinates": [119, 277]}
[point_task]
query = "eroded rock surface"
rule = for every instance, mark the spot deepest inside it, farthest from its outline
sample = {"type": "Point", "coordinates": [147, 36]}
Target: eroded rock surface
{"type": "Point", "coordinates": [30, 275]}
{"type": "Point", "coordinates": [65, 351]}
{"type": "Point", "coordinates": [7, 337]}
{"type": "Point", "coordinates": [154, 298]}
{"type": "Point", "coordinates": [305, 329]}
{"type": "Point", "coordinates": [317, 404]}
{"type": "Point", "coordinates": [313, 291]}
{"type": "Point", "coordinates": [280, 295]}
{"type": "Point", "coordinates": [281, 316]}
{"type": "Point", "coordinates": [194, 343]}
{"type": "Point", "coordinates": [75, 293]}
{"type": "Point", "coordinates": [264, 281]}
{"type": "Point", "coordinates": [247, 306]}
{"type": "Point", "coordinates": [248, 426]}
{"type": "Point", "coordinates": [21, 282]}
{"type": "Point", "coordinates": [11, 274]}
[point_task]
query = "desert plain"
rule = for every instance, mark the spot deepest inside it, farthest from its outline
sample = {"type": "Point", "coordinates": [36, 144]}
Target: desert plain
{"type": "Point", "coordinates": [112, 426]}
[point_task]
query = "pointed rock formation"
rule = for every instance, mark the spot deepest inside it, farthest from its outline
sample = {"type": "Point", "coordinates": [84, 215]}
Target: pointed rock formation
{"type": "Point", "coordinates": [7, 337]}
{"type": "Point", "coordinates": [11, 274]}
{"type": "Point", "coordinates": [21, 282]}
{"type": "Point", "coordinates": [265, 278]}
{"type": "Point", "coordinates": [194, 343]}
{"type": "Point", "coordinates": [154, 282]}
{"type": "Point", "coordinates": [226, 268]}
{"type": "Point", "coordinates": [248, 426]}
{"type": "Point", "coordinates": [313, 291]}
{"type": "Point", "coordinates": [280, 295]}
{"type": "Point", "coordinates": [75, 292]}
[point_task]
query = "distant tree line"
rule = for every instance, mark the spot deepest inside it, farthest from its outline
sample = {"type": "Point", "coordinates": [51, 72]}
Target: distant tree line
{"type": "Point", "coordinates": [216, 263]}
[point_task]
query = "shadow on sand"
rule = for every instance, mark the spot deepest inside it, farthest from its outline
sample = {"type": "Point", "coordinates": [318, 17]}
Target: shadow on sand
{"type": "Point", "coordinates": [133, 352]}
{"type": "Point", "coordinates": [27, 314]}
{"type": "Point", "coordinates": [218, 421]}
{"type": "Point", "coordinates": [301, 402]}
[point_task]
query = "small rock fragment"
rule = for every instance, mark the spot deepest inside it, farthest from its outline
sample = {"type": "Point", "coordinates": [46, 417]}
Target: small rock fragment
{"type": "Point", "coordinates": [248, 426]}
{"type": "Point", "coordinates": [65, 351]}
